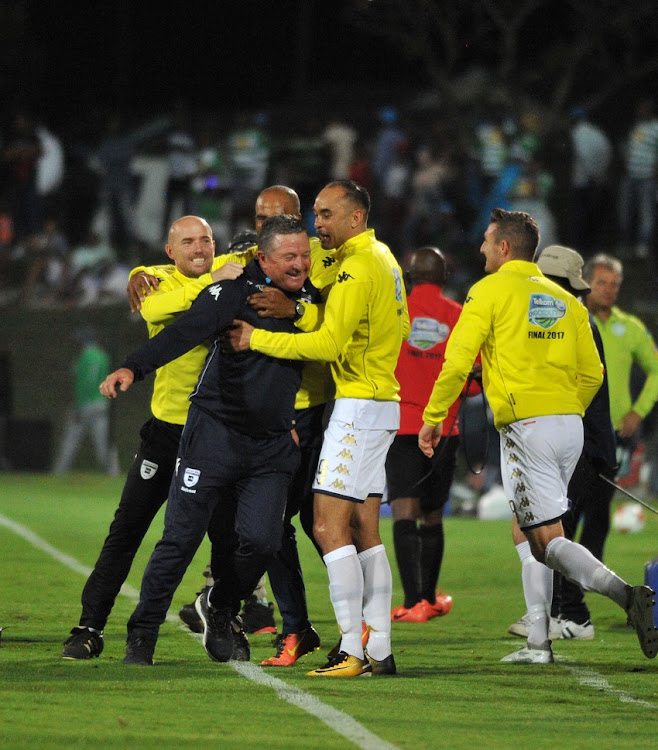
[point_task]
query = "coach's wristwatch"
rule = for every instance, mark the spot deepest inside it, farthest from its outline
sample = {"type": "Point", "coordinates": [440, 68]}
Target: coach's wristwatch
{"type": "Point", "coordinates": [300, 309]}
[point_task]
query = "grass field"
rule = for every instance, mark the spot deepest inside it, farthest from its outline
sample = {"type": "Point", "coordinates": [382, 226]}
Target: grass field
{"type": "Point", "coordinates": [451, 691]}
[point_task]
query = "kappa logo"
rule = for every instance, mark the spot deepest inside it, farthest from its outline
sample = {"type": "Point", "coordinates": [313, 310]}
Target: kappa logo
{"type": "Point", "coordinates": [215, 290]}
{"type": "Point", "coordinates": [346, 454]}
{"type": "Point", "coordinates": [191, 477]}
{"type": "Point", "coordinates": [520, 487]}
{"type": "Point", "coordinates": [348, 440]}
{"type": "Point", "coordinates": [344, 276]}
{"type": "Point", "coordinates": [516, 473]}
{"type": "Point", "coordinates": [341, 469]}
{"type": "Point", "coordinates": [338, 484]}
{"type": "Point", "coordinates": [509, 443]}
{"type": "Point", "coordinates": [328, 261]}
{"type": "Point", "coordinates": [147, 469]}
{"type": "Point", "coordinates": [512, 458]}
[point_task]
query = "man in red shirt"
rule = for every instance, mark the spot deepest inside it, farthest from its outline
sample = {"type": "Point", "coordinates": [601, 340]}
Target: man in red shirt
{"type": "Point", "coordinates": [418, 487]}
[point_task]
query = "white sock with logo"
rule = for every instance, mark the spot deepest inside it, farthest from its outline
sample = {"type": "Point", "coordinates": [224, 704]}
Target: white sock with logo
{"type": "Point", "coordinates": [377, 595]}
{"type": "Point", "coordinates": [537, 582]}
{"type": "Point", "coordinates": [346, 594]}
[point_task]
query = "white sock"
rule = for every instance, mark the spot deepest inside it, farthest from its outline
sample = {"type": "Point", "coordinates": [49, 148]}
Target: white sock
{"type": "Point", "coordinates": [377, 596]}
{"type": "Point", "coordinates": [346, 594]}
{"type": "Point", "coordinates": [579, 565]}
{"type": "Point", "coordinates": [537, 582]}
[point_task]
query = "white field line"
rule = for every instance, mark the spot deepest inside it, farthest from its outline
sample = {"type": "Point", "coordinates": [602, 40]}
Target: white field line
{"type": "Point", "coordinates": [588, 678]}
{"type": "Point", "coordinates": [336, 720]}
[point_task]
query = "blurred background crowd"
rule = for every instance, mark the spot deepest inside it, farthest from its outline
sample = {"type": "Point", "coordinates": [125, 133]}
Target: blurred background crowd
{"type": "Point", "coordinates": [79, 209]}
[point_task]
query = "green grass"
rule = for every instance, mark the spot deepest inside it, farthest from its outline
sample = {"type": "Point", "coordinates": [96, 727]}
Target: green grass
{"type": "Point", "coordinates": [452, 690]}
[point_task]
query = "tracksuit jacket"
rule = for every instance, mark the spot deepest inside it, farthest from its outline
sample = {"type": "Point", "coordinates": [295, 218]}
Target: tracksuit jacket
{"type": "Point", "coordinates": [249, 392]}
{"type": "Point", "coordinates": [538, 352]}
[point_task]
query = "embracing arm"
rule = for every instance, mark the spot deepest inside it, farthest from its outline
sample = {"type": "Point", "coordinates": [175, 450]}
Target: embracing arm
{"type": "Point", "coordinates": [175, 296]}
{"type": "Point", "coordinates": [342, 313]}
{"type": "Point", "coordinates": [214, 310]}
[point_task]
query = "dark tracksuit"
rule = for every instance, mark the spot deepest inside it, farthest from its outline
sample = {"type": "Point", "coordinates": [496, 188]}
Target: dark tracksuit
{"type": "Point", "coordinates": [144, 493]}
{"type": "Point", "coordinates": [236, 449]}
{"type": "Point", "coordinates": [590, 495]}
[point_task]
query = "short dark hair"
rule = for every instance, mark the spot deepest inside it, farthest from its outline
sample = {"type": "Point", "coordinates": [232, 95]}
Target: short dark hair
{"type": "Point", "coordinates": [274, 225]}
{"type": "Point", "coordinates": [354, 192]}
{"type": "Point", "coordinates": [519, 229]}
{"type": "Point", "coordinates": [427, 265]}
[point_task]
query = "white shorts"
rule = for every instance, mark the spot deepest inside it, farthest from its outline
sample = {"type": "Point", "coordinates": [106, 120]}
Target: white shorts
{"type": "Point", "coordinates": [353, 458]}
{"type": "Point", "coordinates": [537, 458]}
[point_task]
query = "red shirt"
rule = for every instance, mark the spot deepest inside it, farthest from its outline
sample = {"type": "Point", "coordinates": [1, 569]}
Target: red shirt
{"type": "Point", "coordinates": [432, 317]}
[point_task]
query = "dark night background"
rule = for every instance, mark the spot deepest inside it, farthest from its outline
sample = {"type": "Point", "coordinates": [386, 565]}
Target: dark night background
{"type": "Point", "coordinates": [69, 58]}
{"type": "Point", "coordinates": [214, 55]}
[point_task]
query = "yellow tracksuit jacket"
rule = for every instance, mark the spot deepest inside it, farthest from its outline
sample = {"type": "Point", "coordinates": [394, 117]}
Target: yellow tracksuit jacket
{"type": "Point", "coordinates": [538, 352]}
{"type": "Point", "coordinates": [365, 319]}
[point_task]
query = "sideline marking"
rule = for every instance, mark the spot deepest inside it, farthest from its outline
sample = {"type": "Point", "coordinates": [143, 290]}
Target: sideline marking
{"type": "Point", "coordinates": [588, 678]}
{"type": "Point", "coordinates": [336, 720]}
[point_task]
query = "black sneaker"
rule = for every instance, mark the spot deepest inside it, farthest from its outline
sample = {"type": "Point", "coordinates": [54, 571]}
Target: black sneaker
{"type": "Point", "coordinates": [641, 601]}
{"type": "Point", "coordinates": [218, 630]}
{"type": "Point", "coordinates": [384, 667]}
{"type": "Point", "coordinates": [140, 647]}
{"type": "Point", "coordinates": [189, 615]}
{"type": "Point", "coordinates": [83, 644]}
{"type": "Point", "coordinates": [241, 650]}
{"type": "Point", "coordinates": [258, 618]}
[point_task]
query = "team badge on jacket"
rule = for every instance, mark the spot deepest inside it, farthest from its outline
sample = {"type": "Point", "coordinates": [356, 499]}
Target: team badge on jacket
{"type": "Point", "coordinates": [191, 477]}
{"type": "Point", "coordinates": [545, 311]}
{"type": "Point", "coordinates": [147, 469]}
{"type": "Point", "coordinates": [427, 332]}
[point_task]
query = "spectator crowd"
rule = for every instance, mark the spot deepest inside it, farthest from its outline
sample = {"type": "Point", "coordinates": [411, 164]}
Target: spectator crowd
{"type": "Point", "coordinates": [79, 209]}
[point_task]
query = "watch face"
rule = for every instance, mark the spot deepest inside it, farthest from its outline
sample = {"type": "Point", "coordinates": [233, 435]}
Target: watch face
{"type": "Point", "coordinates": [299, 309]}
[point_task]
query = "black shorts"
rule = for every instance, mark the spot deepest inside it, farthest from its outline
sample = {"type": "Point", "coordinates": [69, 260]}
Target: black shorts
{"type": "Point", "coordinates": [406, 466]}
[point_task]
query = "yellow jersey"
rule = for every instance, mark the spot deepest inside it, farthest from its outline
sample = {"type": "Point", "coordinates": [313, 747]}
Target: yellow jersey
{"type": "Point", "coordinates": [365, 320]}
{"type": "Point", "coordinates": [538, 352]}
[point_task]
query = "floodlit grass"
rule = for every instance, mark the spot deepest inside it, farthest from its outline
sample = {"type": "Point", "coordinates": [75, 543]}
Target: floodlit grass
{"type": "Point", "coordinates": [452, 690]}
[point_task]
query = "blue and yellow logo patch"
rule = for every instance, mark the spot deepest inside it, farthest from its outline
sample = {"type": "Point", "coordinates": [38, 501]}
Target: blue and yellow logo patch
{"type": "Point", "coordinates": [545, 311]}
